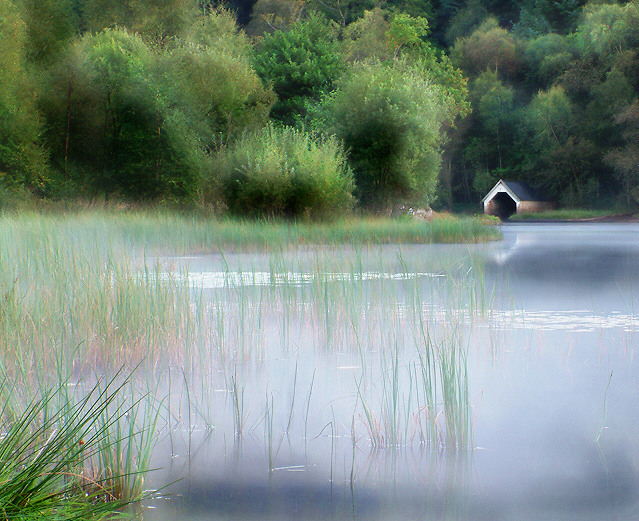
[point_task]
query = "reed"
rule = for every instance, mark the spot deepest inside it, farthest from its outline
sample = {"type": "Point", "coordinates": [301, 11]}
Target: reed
{"type": "Point", "coordinates": [93, 292]}
{"type": "Point", "coordinates": [51, 456]}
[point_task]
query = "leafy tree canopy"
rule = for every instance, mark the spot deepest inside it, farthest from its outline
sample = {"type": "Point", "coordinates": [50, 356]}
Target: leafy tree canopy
{"type": "Point", "coordinates": [300, 64]}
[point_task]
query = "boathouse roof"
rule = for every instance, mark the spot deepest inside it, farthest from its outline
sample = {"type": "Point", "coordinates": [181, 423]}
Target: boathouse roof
{"type": "Point", "coordinates": [518, 190]}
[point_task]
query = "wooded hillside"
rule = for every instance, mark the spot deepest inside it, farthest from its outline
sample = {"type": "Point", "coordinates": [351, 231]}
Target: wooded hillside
{"type": "Point", "coordinates": [312, 107]}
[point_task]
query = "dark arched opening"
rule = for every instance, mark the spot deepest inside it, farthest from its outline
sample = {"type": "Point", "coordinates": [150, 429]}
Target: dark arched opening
{"type": "Point", "coordinates": [503, 206]}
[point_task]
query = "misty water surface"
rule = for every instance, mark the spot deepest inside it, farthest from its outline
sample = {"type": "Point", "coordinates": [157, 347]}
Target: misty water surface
{"type": "Point", "coordinates": [549, 340]}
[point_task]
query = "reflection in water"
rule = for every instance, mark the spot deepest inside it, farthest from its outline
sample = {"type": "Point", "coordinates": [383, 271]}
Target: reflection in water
{"type": "Point", "coordinates": [547, 364]}
{"type": "Point", "coordinates": [225, 279]}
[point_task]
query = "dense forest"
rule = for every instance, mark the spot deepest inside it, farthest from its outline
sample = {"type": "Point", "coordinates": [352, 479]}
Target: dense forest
{"type": "Point", "coordinates": [315, 107]}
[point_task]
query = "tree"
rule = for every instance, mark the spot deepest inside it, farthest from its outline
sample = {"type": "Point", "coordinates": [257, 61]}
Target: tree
{"type": "Point", "coordinates": [390, 117]}
{"type": "Point", "coordinates": [344, 12]}
{"type": "Point", "coordinates": [140, 121]}
{"type": "Point", "coordinates": [110, 128]}
{"type": "Point", "coordinates": [547, 56]}
{"type": "Point", "coordinates": [607, 99]}
{"type": "Point", "coordinates": [625, 159]}
{"type": "Point", "coordinates": [407, 33]}
{"type": "Point", "coordinates": [386, 36]}
{"type": "Point", "coordinates": [50, 26]}
{"type": "Point", "coordinates": [414, 8]}
{"type": "Point", "coordinates": [562, 15]}
{"type": "Point", "coordinates": [564, 159]}
{"type": "Point", "coordinates": [489, 47]}
{"type": "Point", "coordinates": [209, 79]}
{"type": "Point", "coordinates": [241, 8]}
{"type": "Point", "coordinates": [367, 37]}
{"type": "Point", "coordinates": [271, 15]}
{"type": "Point", "coordinates": [494, 102]}
{"type": "Point", "coordinates": [608, 29]}
{"type": "Point", "coordinates": [23, 162]}
{"type": "Point", "coordinates": [154, 20]}
{"type": "Point", "coordinates": [538, 17]}
{"type": "Point", "coordinates": [300, 64]}
{"type": "Point", "coordinates": [466, 20]}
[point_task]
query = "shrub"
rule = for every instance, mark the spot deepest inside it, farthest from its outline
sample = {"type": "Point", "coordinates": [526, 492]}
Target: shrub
{"type": "Point", "coordinates": [285, 172]}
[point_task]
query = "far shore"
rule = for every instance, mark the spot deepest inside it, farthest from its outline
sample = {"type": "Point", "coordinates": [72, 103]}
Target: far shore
{"type": "Point", "coordinates": [575, 216]}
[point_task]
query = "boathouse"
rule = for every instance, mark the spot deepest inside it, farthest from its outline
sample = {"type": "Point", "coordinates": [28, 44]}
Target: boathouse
{"type": "Point", "coordinates": [509, 197]}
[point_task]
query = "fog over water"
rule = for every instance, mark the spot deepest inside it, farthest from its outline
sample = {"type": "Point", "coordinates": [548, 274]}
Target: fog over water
{"type": "Point", "coordinates": [545, 328]}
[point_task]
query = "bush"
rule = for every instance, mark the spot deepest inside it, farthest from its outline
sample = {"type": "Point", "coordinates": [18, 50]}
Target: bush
{"type": "Point", "coordinates": [284, 172]}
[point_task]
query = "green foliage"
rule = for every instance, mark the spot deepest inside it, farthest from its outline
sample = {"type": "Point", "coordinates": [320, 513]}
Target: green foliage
{"type": "Point", "coordinates": [466, 20]}
{"type": "Point", "coordinates": [23, 162]}
{"type": "Point", "coordinates": [625, 159]}
{"type": "Point", "coordinates": [407, 32]}
{"type": "Point", "coordinates": [609, 28]}
{"type": "Point", "coordinates": [538, 17]}
{"type": "Point", "coordinates": [154, 20]}
{"type": "Point", "coordinates": [113, 122]}
{"type": "Point", "coordinates": [51, 24]}
{"type": "Point", "coordinates": [271, 15]}
{"type": "Point", "coordinates": [564, 158]}
{"type": "Point", "coordinates": [209, 82]}
{"type": "Point", "coordinates": [383, 36]}
{"type": "Point", "coordinates": [367, 37]}
{"type": "Point", "coordinates": [484, 180]}
{"type": "Point", "coordinates": [489, 47]}
{"type": "Point", "coordinates": [389, 116]}
{"type": "Point", "coordinates": [139, 110]}
{"type": "Point", "coordinates": [550, 116]}
{"type": "Point", "coordinates": [218, 31]}
{"type": "Point", "coordinates": [415, 8]}
{"type": "Point", "coordinates": [285, 172]}
{"type": "Point", "coordinates": [138, 122]}
{"type": "Point", "coordinates": [548, 56]}
{"type": "Point", "coordinates": [493, 101]}
{"type": "Point", "coordinates": [344, 12]}
{"type": "Point", "coordinates": [300, 64]}
{"type": "Point", "coordinates": [608, 98]}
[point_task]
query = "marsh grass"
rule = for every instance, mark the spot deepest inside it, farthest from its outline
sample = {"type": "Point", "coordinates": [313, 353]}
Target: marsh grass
{"type": "Point", "coordinates": [89, 293]}
{"type": "Point", "coordinates": [163, 231]}
{"type": "Point", "coordinates": [52, 452]}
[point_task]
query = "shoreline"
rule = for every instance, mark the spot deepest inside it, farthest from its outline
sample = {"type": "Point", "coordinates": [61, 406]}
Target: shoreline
{"type": "Point", "coordinates": [626, 217]}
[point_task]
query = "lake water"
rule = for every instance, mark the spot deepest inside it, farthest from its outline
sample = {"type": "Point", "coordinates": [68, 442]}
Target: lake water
{"type": "Point", "coordinates": [319, 403]}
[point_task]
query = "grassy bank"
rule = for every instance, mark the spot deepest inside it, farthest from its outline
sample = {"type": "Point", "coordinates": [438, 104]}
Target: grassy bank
{"type": "Point", "coordinates": [183, 233]}
{"type": "Point", "coordinates": [569, 214]}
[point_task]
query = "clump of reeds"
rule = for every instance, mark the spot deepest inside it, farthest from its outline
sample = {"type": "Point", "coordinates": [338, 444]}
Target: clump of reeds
{"type": "Point", "coordinates": [49, 450]}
